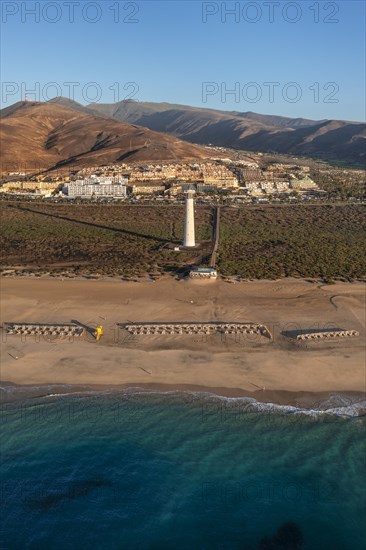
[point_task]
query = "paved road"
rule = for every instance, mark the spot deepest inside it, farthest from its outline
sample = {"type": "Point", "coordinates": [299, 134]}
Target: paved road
{"type": "Point", "coordinates": [215, 236]}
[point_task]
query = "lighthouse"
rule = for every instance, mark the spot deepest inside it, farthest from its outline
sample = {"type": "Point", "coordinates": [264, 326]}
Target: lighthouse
{"type": "Point", "coordinates": [189, 239]}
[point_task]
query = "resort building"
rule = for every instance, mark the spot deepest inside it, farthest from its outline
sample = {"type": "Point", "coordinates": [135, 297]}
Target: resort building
{"type": "Point", "coordinates": [96, 190]}
{"type": "Point", "coordinates": [147, 188]}
{"type": "Point", "coordinates": [203, 273]}
{"type": "Point", "coordinates": [29, 187]}
{"type": "Point", "coordinates": [97, 186]}
{"type": "Point", "coordinates": [93, 187]}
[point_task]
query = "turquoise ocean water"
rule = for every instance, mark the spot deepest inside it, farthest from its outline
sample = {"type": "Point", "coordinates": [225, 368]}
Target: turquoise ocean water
{"type": "Point", "coordinates": [135, 470]}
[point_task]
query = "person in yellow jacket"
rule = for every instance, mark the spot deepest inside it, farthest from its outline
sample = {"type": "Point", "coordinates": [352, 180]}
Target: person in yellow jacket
{"type": "Point", "coordinates": [98, 333]}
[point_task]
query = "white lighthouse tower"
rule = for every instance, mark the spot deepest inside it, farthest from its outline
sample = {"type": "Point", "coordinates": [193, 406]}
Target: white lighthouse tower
{"type": "Point", "coordinates": [189, 239]}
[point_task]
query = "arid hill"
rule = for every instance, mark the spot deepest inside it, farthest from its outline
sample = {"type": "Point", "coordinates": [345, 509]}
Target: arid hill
{"type": "Point", "coordinates": [333, 140]}
{"type": "Point", "coordinates": [51, 135]}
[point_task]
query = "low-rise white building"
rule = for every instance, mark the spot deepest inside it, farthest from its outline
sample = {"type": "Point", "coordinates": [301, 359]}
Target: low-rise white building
{"type": "Point", "coordinates": [203, 273]}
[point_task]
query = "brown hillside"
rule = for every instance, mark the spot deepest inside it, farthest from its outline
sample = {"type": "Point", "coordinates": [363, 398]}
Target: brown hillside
{"type": "Point", "coordinates": [334, 140]}
{"type": "Point", "coordinates": [43, 136]}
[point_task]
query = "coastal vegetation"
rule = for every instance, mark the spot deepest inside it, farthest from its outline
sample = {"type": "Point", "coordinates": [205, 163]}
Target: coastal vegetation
{"type": "Point", "coordinates": [321, 241]}
{"type": "Point", "coordinates": [340, 184]}
{"type": "Point", "coordinates": [115, 240]}
{"type": "Point", "coordinates": [327, 241]}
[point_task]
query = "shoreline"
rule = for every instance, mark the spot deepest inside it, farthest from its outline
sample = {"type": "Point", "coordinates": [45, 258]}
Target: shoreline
{"type": "Point", "coordinates": [331, 401]}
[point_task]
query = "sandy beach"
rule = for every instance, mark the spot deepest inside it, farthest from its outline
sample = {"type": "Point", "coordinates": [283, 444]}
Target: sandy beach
{"type": "Point", "coordinates": [224, 364]}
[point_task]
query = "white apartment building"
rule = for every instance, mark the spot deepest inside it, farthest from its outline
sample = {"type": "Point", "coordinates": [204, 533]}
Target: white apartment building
{"type": "Point", "coordinates": [98, 187]}
{"type": "Point", "coordinates": [304, 183]}
{"type": "Point", "coordinates": [118, 179]}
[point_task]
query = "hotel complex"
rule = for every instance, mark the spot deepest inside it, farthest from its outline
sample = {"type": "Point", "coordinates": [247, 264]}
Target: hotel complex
{"type": "Point", "coordinates": [236, 179]}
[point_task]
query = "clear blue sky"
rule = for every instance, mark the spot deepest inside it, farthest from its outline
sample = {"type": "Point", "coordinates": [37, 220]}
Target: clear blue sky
{"type": "Point", "coordinates": [170, 52]}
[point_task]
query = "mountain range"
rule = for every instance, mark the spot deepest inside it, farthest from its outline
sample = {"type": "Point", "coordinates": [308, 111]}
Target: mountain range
{"type": "Point", "coordinates": [46, 136]}
{"type": "Point", "coordinates": [62, 132]}
{"type": "Point", "coordinates": [332, 140]}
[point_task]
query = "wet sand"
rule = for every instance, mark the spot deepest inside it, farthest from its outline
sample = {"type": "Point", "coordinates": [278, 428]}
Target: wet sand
{"type": "Point", "coordinates": [281, 370]}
